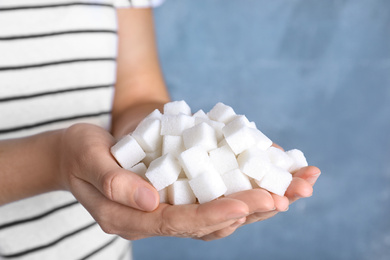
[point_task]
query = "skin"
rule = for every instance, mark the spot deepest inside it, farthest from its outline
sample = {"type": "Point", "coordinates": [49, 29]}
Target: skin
{"type": "Point", "coordinates": [78, 159]}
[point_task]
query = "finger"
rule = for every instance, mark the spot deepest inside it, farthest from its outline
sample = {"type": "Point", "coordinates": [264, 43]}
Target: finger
{"type": "Point", "coordinates": [118, 184]}
{"type": "Point", "coordinates": [260, 216]}
{"type": "Point", "coordinates": [299, 188]}
{"type": "Point", "coordinates": [309, 173]}
{"type": "Point", "coordinates": [103, 210]}
{"type": "Point", "coordinates": [227, 231]}
{"type": "Point", "coordinates": [198, 220]}
{"type": "Point", "coordinates": [277, 146]}
{"type": "Point", "coordinates": [128, 188]}
{"type": "Point", "coordinates": [193, 220]}
{"type": "Point", "coordinates": [258, 200]}
{"type": "Point", "coordinates": [281, 202]}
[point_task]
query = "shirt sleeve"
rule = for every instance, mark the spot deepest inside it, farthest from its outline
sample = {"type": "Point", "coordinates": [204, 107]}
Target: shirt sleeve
{"type": "Point", "coordinates": [137, 3]}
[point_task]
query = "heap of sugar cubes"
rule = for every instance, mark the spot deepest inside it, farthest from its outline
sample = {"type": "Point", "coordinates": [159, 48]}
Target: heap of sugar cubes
{"type": "Point", "coordinates": [199, 157]}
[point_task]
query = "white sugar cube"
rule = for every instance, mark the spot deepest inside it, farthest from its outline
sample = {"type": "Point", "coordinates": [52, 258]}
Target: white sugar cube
{"type": "Point", "coordinates": [299, 159]}
{"type": "Point", "coordinates": [201, 114]}
{"type": "Point", "coordinates": [177, 107]}
{"type": "Point", "coordinates": [151, 156]}
{"type": "Point", "coordinates": [163, 171]}
{"type": "Point", "coordinates": [156, 114]}
{"type": "Point", "coordinates": [208, 186]}
{"type": "Point", "coordinates": [240, 140]}
{"type": "Point", "coordinates": [139, 169]}
{"type": "Point", "coordinates": [200, 135]}
{"type": "Point", "coordinates": [148, 135]}
{"type": "Point", "coordinates": [238, 122]}
{"type": "Point", "coordinates": [276, 181]}
{"type": "Point", "coordinates": [127, 152]}
{"type": "Point", "coordinates": [163, 195]}
{"type": "Point", "coordinates": [172, 144]}
{"type": "Point", "coordinates": [176, 124]}
{"type": "Point", "coordinates": [262, 141]}
{"type": "Point", "coordinates": [180, 193]}
{"type": "Point", "coordinates": [223, 143]}
{"type": "Point", "coordinates": [279, 158]}
{"type": "Point", "coordinates": [222, 113]}
{"type": "Point", "coordinates": [194, 161]}
{"type": "Point", "coordinates": [217, 126]}
{"type": "Point", "coordinates": [223, 159]}
{"type": "Point", "coordinates": [254, 162]}
{"type": "Point", "coordinates": [236, 181]}
{"type": "Point", "coordinates": [240, 136]}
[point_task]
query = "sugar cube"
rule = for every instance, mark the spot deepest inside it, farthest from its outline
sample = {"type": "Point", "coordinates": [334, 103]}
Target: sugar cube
{"type": "Point", "coordinates": [139, 169]}
{"type": "Point", "coordinates": [261, 140]}
{"type": "Point", "coordinates": [236, 181]}
{"type": "Point", "coordinates": [177, 107]}
{"type": "Point", "coordinates": [217, 126]}
{"type": "Point", "coordinates": [201, 114]}
{"type": "Point", "coordinates": [223, 159]}
{"type": "Point", "coordinates": [207, 186]}
{"type": "Point", "coordinates": [127, 152]}
{"type": "Point", "coordinates": [222, 113]}
{"type": "Point", "coordinates": [279, 158]}
{"type": "Point", "coordinates": [238, 121]}
{"type": "Point", "coordinates": [149, 157]}
{"type": "Point", "coordinates": [240, 140]}
{"type": "Point", "coordinates": [241, 137]}
{"type": "Point", "coordinates": [148, 135]}
{"type": "Point", "coordinates": [155, 114]}
{"type": "Point", "coordinates": [276, 181]}
{"type": "Point", "coordinates": [163, 193]}
{"type": "Point", "coordinates": [176, 124]}
{"type": "Point", "coordinates": [299, 159]}
{"type": "Point", "coordinates": [180, 193]}
{"type": "Point", "coordinates": [163, 171]}
{"type": "Point", "coordinates": [172, 144]}
{"type": "Point", "coordinates": [194, 161]}
{"type": "Point", "coordinates": [223, 143]}
{"type": "Point", "coordinates": [200, 135]}
{"type": "Point", "coordinates": [254, 162]}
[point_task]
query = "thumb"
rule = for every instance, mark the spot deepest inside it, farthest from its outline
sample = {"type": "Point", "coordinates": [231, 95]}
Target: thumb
{"type": "Point", "coordinates": [128, 188]}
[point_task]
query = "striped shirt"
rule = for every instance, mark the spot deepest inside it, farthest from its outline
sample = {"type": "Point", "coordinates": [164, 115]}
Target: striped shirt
{"type": "Point", "coordinates": [57, 68]}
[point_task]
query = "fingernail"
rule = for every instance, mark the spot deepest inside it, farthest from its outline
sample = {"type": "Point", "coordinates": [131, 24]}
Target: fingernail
{"type": "Point", "coordinates": [301, 197]}
{"type": "Point", "coordinates": [313, 178]}
{"type": "Point", "coordinates": [145, 199]}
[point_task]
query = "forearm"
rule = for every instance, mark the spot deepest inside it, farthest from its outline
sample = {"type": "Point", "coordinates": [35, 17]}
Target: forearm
{"type": "Point", "coordinates": [28, 166]}
{"type": "Point", "coordinates": [140, 86]}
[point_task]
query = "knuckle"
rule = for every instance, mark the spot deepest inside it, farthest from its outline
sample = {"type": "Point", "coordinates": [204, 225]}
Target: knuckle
{"type": "Point", "coordinates": [107, 183]}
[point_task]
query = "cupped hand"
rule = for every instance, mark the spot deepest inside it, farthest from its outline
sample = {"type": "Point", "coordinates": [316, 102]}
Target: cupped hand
{"type": "Point", "coordinates": [124, 204]}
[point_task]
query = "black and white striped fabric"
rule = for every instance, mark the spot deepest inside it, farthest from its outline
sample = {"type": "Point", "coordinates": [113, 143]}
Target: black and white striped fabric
{"type": "Point", "coordinates": [57, 68]}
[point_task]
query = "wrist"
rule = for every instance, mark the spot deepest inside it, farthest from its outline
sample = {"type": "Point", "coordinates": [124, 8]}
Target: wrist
{"type": "Point", "coordinates": [28, 166]}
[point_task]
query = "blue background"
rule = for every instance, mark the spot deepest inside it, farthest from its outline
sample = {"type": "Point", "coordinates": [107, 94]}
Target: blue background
{"type": "Point", "coordinates": [313, 75]}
